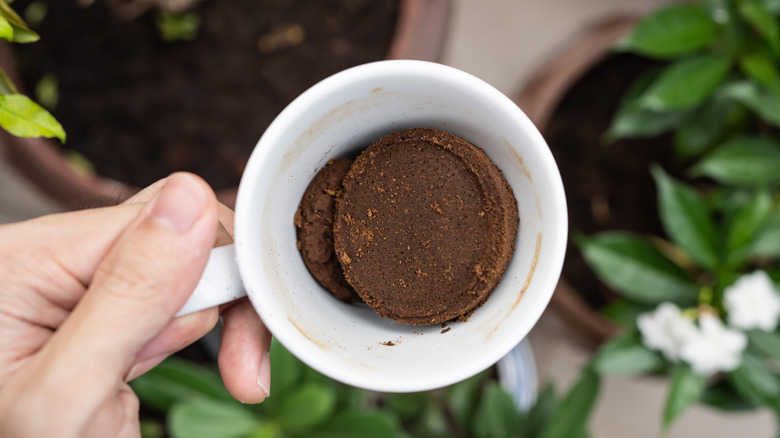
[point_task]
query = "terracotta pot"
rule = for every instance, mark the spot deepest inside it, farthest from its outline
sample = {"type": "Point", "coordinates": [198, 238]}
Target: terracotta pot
{"type": "Point", "coordinates": [539, 99]}
{"type": "Point", "coordinates": [419, 34]}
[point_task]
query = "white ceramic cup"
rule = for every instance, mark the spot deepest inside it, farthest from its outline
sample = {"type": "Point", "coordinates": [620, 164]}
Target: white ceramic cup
{"type": "Point", "coordinates": [339, 117]}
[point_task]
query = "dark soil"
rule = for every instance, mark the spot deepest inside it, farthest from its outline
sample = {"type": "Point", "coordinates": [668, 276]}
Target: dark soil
{"type": "Point", "coordinates": [139, 108]}
{"type": "Point", "coordinates": [608, 187]}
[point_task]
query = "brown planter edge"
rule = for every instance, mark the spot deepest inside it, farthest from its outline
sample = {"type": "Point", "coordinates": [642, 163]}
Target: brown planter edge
{"type": "Point", "coordinates": [419, 34]}
{"type": "Point", "coordinates": [539, 99]}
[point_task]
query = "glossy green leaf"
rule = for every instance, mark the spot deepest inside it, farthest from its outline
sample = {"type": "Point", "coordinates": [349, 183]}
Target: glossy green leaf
{"type": "Point", "coordinates": [21, 32]}
{"type": "Point", "coordinates": [760, 66]}
{"type": "Point", "coordinates": [686, 219]}
{"type": "Point", "coordinates": [632, 266]}
{"type": "Point", "coordinates": [176, 380]}
{"type": "Point", "coordinates": [744, 227]}
{"type": "Point", "coordinates": [767, 242]}
{"type": "Point", "coordinates": [357, 424]}
{"type": "Point", "coordinates": [625, 355]}
{"type": "Point", "coordinates": [767, 343]}
{"type": "Point", "coordinates": [765, 102]}
{"type": "Point", "coordinates": [686, 83]}
{"type": "Point", "coordinates": [703, 128]}
{"type": "Point", "coordinates": [306, 407]}
{"type": "Point", "coordinates": [671, 31]}
{"type": "Point", "coordinates": [742, 161]}
{"type": "Point", "coordinates": [24, 118]}
{"type": "Point", "coordinates": [685, 388]}
{"type": "Point", "coordinates": [754, 381]}
{"type": "Point", "coordinates": [496, 415]}
{"type": "Point", "coordinates": [763, 21]}
{"type": "Point", "coordinates": [570, 417]}
{"type": "Point", "coordinates": [540, 412]}
{"type": "Point", "coordinates": [205, 418]}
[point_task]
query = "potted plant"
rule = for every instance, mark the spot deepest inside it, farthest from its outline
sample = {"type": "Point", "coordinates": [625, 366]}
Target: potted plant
{"type": "Point", "coordinates": [149, 87]}
{"type": "Point", "coordinates": [182, 399]}
{"type": "Point", "coordinates": [698, 301]}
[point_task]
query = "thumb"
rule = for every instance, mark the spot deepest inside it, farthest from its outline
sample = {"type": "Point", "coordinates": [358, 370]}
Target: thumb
{"type": "Point", "coordinates": [144, 279]}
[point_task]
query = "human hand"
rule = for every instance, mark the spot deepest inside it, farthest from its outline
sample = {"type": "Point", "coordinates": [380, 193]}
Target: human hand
{"type": "Point", "coordinates": [87, 302]}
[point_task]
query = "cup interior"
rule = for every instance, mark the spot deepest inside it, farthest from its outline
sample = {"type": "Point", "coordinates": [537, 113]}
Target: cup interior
{"type": "Point", "coordinates": [339, 117]}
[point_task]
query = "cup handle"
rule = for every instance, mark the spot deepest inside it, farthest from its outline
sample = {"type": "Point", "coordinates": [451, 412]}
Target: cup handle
{"type": "Point", "coordinates": [219, 284]}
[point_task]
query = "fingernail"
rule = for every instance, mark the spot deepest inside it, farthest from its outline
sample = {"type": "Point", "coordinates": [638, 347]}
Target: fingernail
{"type": "Point", "coordinates": [144, 366]}
{"type": "Point", "coordinates": [264, 378]}
{"type": "Point", "coordinates": [179, 203]}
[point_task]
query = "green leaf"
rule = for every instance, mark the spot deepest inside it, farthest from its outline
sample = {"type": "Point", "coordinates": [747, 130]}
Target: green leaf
{"type": "Point", "coordinates": [24, 118]}
{"type": "Point", "coordinates": [632, 120]}
{"type": "Point", "coordinates": [765, 102]}
{"type": "Point", "coordinates": [357, 424]}
{"type": "Point", "coordinates": [754, 381]}
{"type": "Point", "coordinates": [306, 407]}
{"type": "Point", "coordinates": [625, 312]}
{"type": "Point", "coordinates": [763, 21]}
{"type": "Point", "coordinates": [286, 372]}
{"type": "Point", "coordinates": [210, 418]}
{"type": "Point", "coordinates": [47, 92]}
{"type": "Point", "coordinates": [760, 66]}
{"type": "Point", "coordinates": [407, 406]}
{"type": "Point", "coordinates": [766, 342]}
{"type": "Point", "coordinates": [6, 30]}
{"type": "Point", "coordinates": [6, 84]}
{"type": "Point", "coordinates": [462, 399]}
{"type": "Point", "coordinates": [685, 388]}
{"type": "Point", "coordinates": [686, 219]}
{"type": "Point", "coordinates": [571, 415]}
{"type": "Point", "coordinates": [686, 83]}
{"type": "Point", "coordinates": [723, 396]}
{"type": "Point", "coordinates": [21, 32]}
{"type": "Point", "coordinates": [670, 32]}
{"type": "Point", "coordinates": [496, 416]}
{"type": "Point", "coordinates": [772, 6]}
{"type": "Point", "coordinates": [742, 161]}
{"type": "Point", "coordinates": [177, 380]}
{"type": "Point", "coordinates": [747, 221]}
{"type": "Point", "coordinates": [635, 268]}
{"type": "Point", "coordinates": [767, 242]}
{"type": "Point", "coordinates": [540, 412]}
{"type": "Point", "coordinates": [625, 355]}
{"type": "Point", "coordinates": [703, 128]}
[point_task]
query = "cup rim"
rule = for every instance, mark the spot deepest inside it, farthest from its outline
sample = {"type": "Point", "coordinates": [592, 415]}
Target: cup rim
{"type": "Point", "coordinates": [265, 148]}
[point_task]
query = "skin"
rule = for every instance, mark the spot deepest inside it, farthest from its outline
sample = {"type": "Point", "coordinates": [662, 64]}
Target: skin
{"type": "Point", "coordinates": [87, 300]}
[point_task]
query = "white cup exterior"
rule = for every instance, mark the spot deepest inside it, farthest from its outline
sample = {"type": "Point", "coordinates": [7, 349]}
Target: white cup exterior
{"type": "Point", "coordinates": [340, 116]}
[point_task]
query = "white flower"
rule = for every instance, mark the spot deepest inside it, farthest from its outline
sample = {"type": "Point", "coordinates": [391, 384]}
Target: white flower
{"type": "Point", "coordinates": [714, 347]}
{"type": "Point", "coordinates": [752, 302]}
{"type": "Point", "coordinates": [666, 330]}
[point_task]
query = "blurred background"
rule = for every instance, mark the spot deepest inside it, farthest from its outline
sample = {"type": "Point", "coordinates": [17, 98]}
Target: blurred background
{"type": "Point", "coordinates": [505, 42]}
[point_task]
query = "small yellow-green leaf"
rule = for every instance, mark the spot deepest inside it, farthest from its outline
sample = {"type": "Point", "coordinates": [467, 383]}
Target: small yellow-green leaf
{"type": "Point", "coordinates": [24, 118]}
{"type": "Point", "coordinates": [21, 32]}
{"type": "Point", "coordinates": [6, 84]}
{"type": "Point", "coordinates": [6, 30]}
{"type": "Point", "coordinates": [686, 83]}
